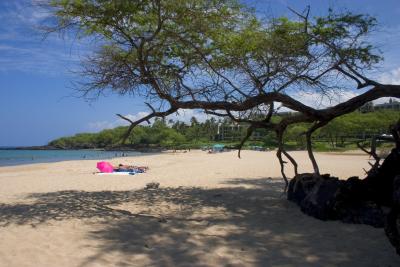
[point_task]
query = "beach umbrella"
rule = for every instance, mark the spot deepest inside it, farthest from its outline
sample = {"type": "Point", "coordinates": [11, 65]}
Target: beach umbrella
{"type": "Point", "coordinates": [105, 166]}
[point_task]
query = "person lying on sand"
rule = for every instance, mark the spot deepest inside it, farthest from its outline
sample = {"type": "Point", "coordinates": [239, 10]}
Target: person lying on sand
{"type": "Point", "coordinates": [127, 168]}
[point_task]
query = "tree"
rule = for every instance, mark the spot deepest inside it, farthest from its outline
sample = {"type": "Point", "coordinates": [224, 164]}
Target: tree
{"type": "Point", "coordinates": [296, 133]}
{"type": "Point", "coordinates": [218, 56]}
{"type": "Point", "coordinates": [193, 121]}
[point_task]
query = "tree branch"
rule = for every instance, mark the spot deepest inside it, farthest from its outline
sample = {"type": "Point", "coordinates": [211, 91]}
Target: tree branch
{"type": "Point", "coordinates": [145, 118]}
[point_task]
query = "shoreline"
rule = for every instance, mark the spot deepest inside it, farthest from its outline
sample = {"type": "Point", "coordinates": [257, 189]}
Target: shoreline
{"type": "Point", "coordinates": [142, 153]}
{"type": "Point", "coordinates": [29, 157]}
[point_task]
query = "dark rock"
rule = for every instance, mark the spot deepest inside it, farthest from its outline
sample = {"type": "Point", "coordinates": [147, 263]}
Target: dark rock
{"type": "Point", "coordinates": [152, 185]}
{"type": "Point", "coordinates": [396, 191]}
{"type": "Point", "coordinates": [162, 220]}
{"type": "Point", "coordinates": [320, 201]}
{"type": "Point", "coordinates": [328, 198]}
{"type": "Point", "coordinates": [365, 213]}
{"type": "Point", "coordinates": [300, 186]}
{"type": "Point", "coordinates": [381, 182]}
{"type": "Point", "coordinates": [392, 228]}
{"type": "Point", "coordinates": [392, 223]}
{"type": "Point", "coordinates": [352, 193]}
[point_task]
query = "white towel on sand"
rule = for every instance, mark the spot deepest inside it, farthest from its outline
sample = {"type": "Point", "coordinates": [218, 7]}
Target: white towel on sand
{"type": "Point", "coordinates": [115, 173]}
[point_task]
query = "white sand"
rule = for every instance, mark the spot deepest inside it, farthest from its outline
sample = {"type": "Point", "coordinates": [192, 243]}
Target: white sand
{"type": "Point", "coordinates": [210, 210]}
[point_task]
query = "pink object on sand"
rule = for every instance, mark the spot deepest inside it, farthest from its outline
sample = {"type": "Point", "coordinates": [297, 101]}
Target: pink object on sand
{"type": "Point", "coordinates": [105, 166]}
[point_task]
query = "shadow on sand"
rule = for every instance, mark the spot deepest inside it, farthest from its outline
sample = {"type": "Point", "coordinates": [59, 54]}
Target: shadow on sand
{"type": "Point", "coordinates": [250, 224]}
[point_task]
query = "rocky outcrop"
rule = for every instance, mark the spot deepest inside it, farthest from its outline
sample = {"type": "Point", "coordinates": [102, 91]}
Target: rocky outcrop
{"type": "Point", "coordinates": [328, 198]}
{"type": "Point", "coordinates": [301, 186]}
{"type": "Point", "coordinates": [321, 200]}
{"type": "Point", "coordinates": [392, 225]}
{"type": "Point", "coordinates": [374, 200]}
{"type": "Point", "coordinates": [366, 201]}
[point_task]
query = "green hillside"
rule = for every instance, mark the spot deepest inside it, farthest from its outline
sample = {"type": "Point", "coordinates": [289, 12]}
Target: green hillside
{"type": "Point", "coordinates": [341, 133]}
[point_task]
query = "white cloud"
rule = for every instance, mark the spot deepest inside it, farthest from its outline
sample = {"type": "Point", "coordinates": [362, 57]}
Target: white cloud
{"type": "Point", "coordinates": [390, 77]}
{"type": "Point", "coordinates": [317, 100]}
{"type": "Point", "coordinates": [23, 47]}
{"type": "Point", "coordinates": [182, 115]}
{"type": "Point", "coordinates": [186, 114]}
{"type": "Point", "coordinates": [133, 117]}
{"type": "Point", "coordinates": [100, 125]}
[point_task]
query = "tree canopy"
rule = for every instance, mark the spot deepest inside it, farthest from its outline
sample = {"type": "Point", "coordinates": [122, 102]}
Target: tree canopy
{"type": "Point", "coordinates": [219, 56]}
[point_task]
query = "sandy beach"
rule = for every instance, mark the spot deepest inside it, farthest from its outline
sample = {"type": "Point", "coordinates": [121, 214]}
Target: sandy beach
{"type": "Point", "coordinates": [210, 210]}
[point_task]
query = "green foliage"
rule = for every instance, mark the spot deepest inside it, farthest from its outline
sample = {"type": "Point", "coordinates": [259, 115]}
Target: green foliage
{"type": "Point", "coordinates": [357, 125]}
{"type": "Point", "coordinates": [339, 30]}
{"type": "Point", "coordinates": [339, 134]}
{"type": "Point", "coordinates": [296, 133]}
{"type": "Point", "coordinates": [168, 33]}
{"type": "Point", "coordinates": [183, 40]}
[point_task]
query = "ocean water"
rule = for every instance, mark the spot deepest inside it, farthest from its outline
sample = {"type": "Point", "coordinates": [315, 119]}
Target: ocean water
{"type": "Point", "coordinates": [10, 157]}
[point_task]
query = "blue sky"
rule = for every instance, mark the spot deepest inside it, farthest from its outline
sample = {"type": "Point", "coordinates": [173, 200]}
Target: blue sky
{"type": "Point", "coordinates": [38, 104]}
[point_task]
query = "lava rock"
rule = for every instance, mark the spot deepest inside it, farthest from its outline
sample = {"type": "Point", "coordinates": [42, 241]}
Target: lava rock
{"type": "Point", "coordinates": [300, 186]}
{"type": "Point", "coordinates": [396, 191]}
{"type": "Point", "coordinates": [328, 198]}
{"type": "Point", "coordinates": [320, 201]}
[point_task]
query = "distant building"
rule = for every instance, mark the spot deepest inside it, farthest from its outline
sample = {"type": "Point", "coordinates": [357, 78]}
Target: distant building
{"type": "Point", "coordinates": [236, 132]}
{"type": "Point", "coordinates": [391, 105]}
{"type": "Point", "coordinates": [232, 131]}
